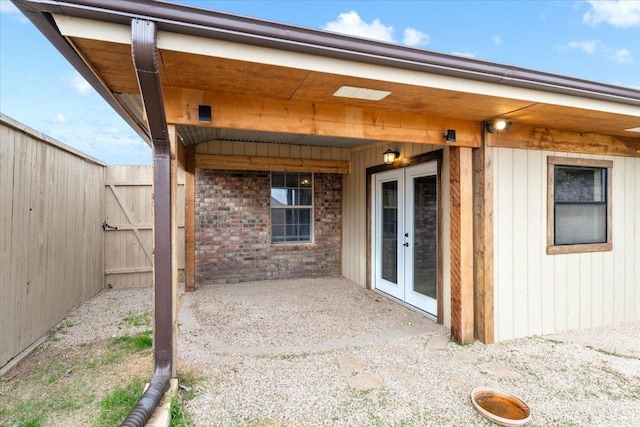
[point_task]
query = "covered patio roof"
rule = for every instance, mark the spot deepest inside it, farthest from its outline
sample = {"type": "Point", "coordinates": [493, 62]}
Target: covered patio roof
{"type": "Point", "coordinates": [271, 82]}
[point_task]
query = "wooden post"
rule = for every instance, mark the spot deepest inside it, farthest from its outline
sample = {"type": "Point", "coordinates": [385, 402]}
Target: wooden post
{"type": "Point", "coordinates": [483, 243]}
{"type": "Point", "coordinates": [173, 137]}
{"type": "Point", "coordinates": [461, 182]}
{"type": "Point", "coordinates": [190, 220]}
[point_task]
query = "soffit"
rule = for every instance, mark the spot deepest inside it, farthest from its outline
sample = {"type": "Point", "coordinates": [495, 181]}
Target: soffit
{"type": "Point", "coordinates": [111, 61]}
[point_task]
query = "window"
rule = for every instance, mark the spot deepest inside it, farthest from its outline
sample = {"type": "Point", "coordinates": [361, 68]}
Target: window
{"type": "Point", "coordinates": [579, 205]}
{"type": "Point", "coordinates": [291, 207]}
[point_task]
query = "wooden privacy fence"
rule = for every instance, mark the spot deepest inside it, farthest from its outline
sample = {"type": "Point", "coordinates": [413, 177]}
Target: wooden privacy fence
{"type": "Point", "coordinates": [57, 250]}
{"type": "Point", "coordinates": [128, 222]}
{"type": "Point", "coordinates": [51, 250]}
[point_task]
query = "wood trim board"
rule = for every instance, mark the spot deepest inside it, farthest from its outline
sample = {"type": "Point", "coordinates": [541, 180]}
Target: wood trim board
{"type": "Point", "coordinates": [255, 163]}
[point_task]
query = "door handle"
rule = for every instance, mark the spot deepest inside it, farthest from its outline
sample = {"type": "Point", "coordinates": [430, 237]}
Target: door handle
{"type": "Point", "coordinates": [406, 245]}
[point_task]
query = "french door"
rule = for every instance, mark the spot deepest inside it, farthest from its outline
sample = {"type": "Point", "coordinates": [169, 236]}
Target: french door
{"type": "Point", "coordinates": [405, 235]}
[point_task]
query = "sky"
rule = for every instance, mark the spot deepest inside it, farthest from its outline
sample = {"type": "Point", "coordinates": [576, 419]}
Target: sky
{"type": "Point", "coordinates": [592, 40]}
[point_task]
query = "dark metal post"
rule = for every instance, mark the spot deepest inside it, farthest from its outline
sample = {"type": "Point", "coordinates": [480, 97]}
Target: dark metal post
{"type": "Point", "coordinates": [145, 59]}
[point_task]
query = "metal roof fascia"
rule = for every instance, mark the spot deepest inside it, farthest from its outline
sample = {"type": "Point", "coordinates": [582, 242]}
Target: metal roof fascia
{"type": "Point", "coordinates": [45, 23]}
{"type": "Point", "coordinates": [206, 23]}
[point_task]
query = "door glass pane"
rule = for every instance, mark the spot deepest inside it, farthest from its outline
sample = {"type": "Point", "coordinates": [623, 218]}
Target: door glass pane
{"type": "Point", "coordinates": [389, 215]}
{"type": "Point", "coordinates": [425, 246]}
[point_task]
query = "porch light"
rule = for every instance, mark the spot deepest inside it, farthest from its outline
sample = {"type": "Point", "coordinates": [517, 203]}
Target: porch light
{"type": "Point", "coordinates": [390, 156]}
{"type": "Point", "coordinates": [497, 126]}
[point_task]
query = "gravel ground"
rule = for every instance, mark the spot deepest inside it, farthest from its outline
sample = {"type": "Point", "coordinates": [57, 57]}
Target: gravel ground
{"type": "Point", "coordinates": [325, 352]}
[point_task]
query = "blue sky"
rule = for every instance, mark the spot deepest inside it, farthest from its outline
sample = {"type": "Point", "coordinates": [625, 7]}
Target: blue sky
{"type": "Point", "coordinates": [593, 40]}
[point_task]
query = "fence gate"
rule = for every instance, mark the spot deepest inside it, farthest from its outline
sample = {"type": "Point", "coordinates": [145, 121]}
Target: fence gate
{"type": "Point", "coordinates": [128, 226]}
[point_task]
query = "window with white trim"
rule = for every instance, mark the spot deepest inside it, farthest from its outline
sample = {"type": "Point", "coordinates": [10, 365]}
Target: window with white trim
{"type": "Point", "coordinates": [579, 205]}
{"type": "Point", "coordinates": [291, 207]}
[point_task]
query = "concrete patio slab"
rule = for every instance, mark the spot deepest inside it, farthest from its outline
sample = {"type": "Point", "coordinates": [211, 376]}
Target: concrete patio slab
{"type": "Point", "coordinates": [326, 352]}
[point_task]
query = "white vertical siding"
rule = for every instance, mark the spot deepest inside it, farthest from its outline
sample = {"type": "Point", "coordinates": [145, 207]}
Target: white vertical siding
{"type": "Point", "coordinates": [262, 149]}
{"type": "Point", "coordinates": [536, 293]}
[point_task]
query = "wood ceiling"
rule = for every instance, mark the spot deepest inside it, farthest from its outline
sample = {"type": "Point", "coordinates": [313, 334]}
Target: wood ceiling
{"type": "Point", "coordinates": [261, 97]}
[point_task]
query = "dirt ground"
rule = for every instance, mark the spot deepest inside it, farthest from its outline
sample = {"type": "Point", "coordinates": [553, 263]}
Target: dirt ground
{"type": "Point", "coordinates": [69, 384]}
{"type": "Point", "coordinates": [325, 352]}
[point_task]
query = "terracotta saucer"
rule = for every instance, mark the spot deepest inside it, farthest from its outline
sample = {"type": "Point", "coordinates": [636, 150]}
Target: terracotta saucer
{"type": "Point", "coordinates": [500, 407]}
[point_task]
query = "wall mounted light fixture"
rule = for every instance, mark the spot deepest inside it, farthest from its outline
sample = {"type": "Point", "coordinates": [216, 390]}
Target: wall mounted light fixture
{"type": "Point", "coordinates": [497, 126]}
{"type": "Point", "coordinates": [390, 156]}
{"type": "Point", "coordinates": [450, 136]}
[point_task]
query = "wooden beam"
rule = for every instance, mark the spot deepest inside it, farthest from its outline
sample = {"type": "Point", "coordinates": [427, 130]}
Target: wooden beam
{"type": "Point", "coordinates": [308, 118]}
{"type": "Point", "coordinates": [129, 270]}
{"type": "Point", "coordinates": [483, 244]}
{"type": "Point", "coordinates": [461, 188]}
{"type": "Point", "coordinates": [251, 163]}
{"type": "Point", "coordinates": [541, 138]}
{"type": "Point", "coordinates": [190, 220]}
{"type": "Point", "coordinates": [174, 143]}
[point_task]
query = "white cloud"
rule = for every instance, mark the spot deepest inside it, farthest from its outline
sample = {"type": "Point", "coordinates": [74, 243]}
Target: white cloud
{"type": "Point", "coordinates": [80, 85]}
{"type": "Point", "coordinates": [351, 23]}
{"type": "Point", "coordinates": [621, 13]}
{"type": "Point", "coordinates": [497, 40]}
{"type": "Point", "coordinates": [413, 37]}
{"type": "Point", "coordinates": [623, 56]}
{"type": "Point", "coordinates": [588, 46]}
{"type": "Point", "coordinates": [58, 119]}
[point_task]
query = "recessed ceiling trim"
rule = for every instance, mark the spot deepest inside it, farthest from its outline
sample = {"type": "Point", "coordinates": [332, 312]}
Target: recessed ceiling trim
{"type": "Point", "coordinates": [361, 93]}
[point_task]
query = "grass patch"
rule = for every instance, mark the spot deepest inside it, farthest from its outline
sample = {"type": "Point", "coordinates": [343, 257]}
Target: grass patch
{"type": "Point", "coordinates": [115, 406]}
{"type": "Point", "coordinates": [33, 411]}
{"type": "Point", "coordinates": [187, 380]}
{"type": "Point", "coordinates": [134, 343]}
{"type": "Point", "coordinates": [28, 414]}
{"type": "Point", "coordinates": [292, 356]}
{"type": "Point", "coordinates": [143, 319]}
{"type": "Point", "coordinates": [178, 416]}
{"type": "Point", "coordinates": [54, 334]}
{"type": "Point", "coordinates": [56, 385]}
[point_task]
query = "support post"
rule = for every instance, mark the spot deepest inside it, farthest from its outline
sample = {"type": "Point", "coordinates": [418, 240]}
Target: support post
{"type": "Point", "coordinates": [162, 260]}
{"type": "Point", "coordinates": [461, 183]}
{"type": "Point", "coordinates": [173, 138]}
{"type": "Point", "coordinates": [190, 219]}
{"type": "Point", "coordinates": [483, 244]}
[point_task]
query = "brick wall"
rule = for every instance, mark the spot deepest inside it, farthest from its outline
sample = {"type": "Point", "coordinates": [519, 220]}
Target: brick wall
{"type": "Point", "coordinates": [233, 230]}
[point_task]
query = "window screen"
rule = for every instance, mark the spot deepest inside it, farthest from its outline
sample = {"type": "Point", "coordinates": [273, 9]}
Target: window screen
{"type": "Point", "coordinates": [579, 211]}
{"type": "Point", "coordinates": [291, 207]}
{"type": "Point", "coordinates": [580, 205]}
